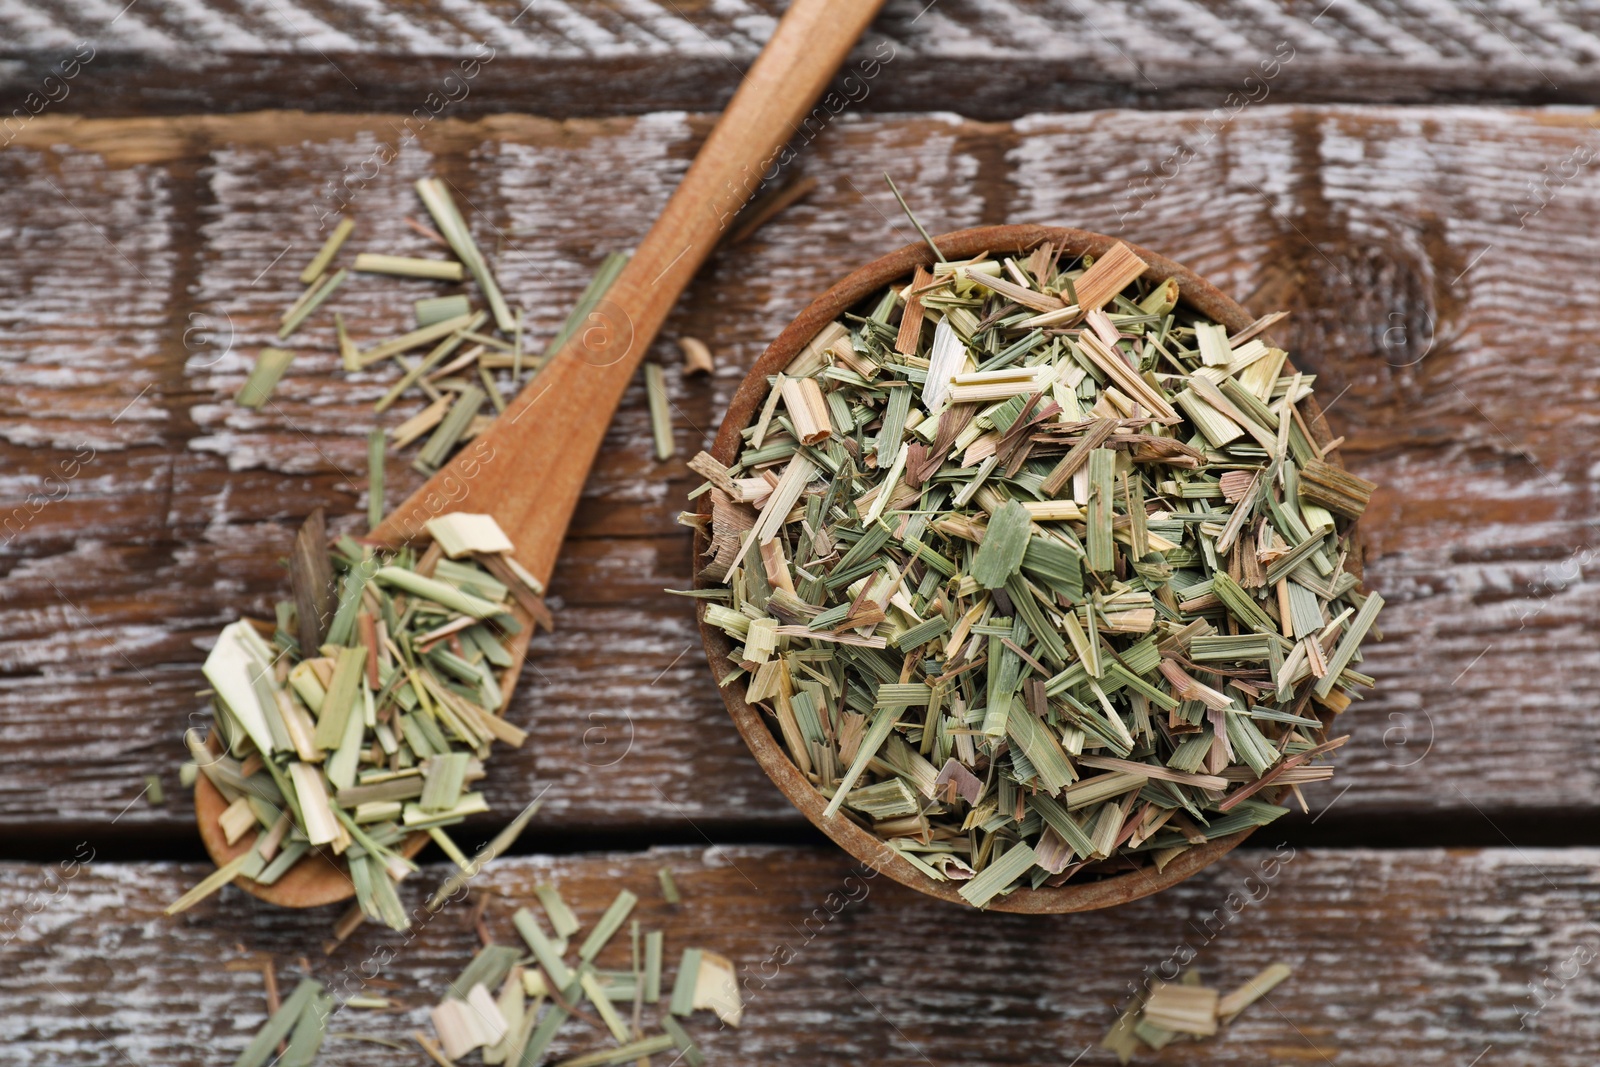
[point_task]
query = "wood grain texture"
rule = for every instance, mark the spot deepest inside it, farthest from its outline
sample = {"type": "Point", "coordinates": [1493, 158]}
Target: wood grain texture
{"type": "Point", "coordinates": [1421, 957]}
{"type": "Point", "coordinates": [1406, 242]}
{"type": "Point", "coordinates": [990, 59]}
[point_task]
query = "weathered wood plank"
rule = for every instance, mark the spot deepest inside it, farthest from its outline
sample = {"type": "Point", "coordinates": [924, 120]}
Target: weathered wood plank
{"type": "Point", "coordinates": [1368, 223]}
{"type": "Point", "coordinates": [993, 60]}
{"type": "Point", "coordinates": [1423, 957]}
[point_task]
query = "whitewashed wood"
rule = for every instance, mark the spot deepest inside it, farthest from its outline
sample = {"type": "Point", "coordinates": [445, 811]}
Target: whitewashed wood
{"type": "Point", "coordinates": [989, 59]}
{"type": "Point", "coordinates": [1421, 957]}
{"type": "Point", "coordinates": [1360, 220]}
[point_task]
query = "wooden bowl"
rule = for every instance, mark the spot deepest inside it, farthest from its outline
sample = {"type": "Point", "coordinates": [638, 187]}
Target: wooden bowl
{"type": "Point", "coordinates": [869, 280]}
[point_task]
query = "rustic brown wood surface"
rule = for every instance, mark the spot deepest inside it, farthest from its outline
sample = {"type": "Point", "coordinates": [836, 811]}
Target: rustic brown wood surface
{"type": "Point", "coordinates": [1439, 264]}
{"type": "Point", "coordinates": [1423, 957]}
{"type": "Point", "coordinates": [997, 59]}
{"type": "Point", "coordinates": [1393, 234]}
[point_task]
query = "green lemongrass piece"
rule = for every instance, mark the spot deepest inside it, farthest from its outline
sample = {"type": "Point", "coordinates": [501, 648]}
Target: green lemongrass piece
{"type": "Point", "coordinates": [641, 1049]}
{"type": "Point", "coordinates": [375, 443]}
{"type": "Point", "coordinates": [1004, 542]}
{"type": "Point", "coordinates": [554, 1018]}
{"type": "Point", "coordinates": [603, 1007]}
{"type": "Point", "coordinates": [882, 722]}
{"type": "Point", "coordinates": [316, 300]}
{"type": "Point", "coordinates": [439, 308]}
{"type": "Point", "coordinates": [264, 377]}
{"type": "Point", "coordinates": [562, 920]}
{"type": "Point", "coordinates": [450, 430]}
{"type": "Point", "coordinates": [263, 1047]}
{"type": "Point", "coordinates": [454, 230]}
{"type": "Point", "coordinates": [425, 335]}
{"type": "Point", "coordinates": [340, 766]}
{"type": "Point", "coordinates": [427, 363]}
{"type": "Point", "coordinates": [544, 950]}
{"type": "Point", "coordinates": [330, 248]}
{"type": "Point", "coordinates": [491, 388]}
{"type": "Point", "coordinates": [1102, 465]}
{"type": "Point", "coordinates": [1229, 1005]}
{"type": "Point", "coordinates": [683, 986]}
{"type": "Point", "coordinates": [655, 384]}
{"type": "Point", "coordinates": [445, 842]}
{"type": "Point", "coordinates": [684, 1043]}
{"type": "Point", "coordinates": [993, 879]}
{"type": "Point", "coordinates": [341, 697]}
{"type": "Point", "coordinates": [608, 924]}
{"type": "Point", "coordinates": [488, 968]}
{"type": "Point", "coordinates": [469, 804]}
{"type": "Point", "coordinates": [1349, 643]}
{"type": "Point", "coordinates": [349, 355]}
{"type": "Point", "coordinates": [441, 593]}
{"type": "Point", "coordinates": [308, 1035]}
{"type": "Point", "coordinates": [604, 275]}
{"type": "Point", "coordinates": [654, 943]}
{"type": "Point", "coordinates": [895, 189]}
{"type": "Point", "coordinates": [516, 352]}
{"type": "Point", "coordinates": [669, 888]}
{"type": "Point", "coordinates": [213, 882]}
{"type": "Point", "coordinates": [443, 778]}
{"type": "Point", "coordinates": [484, 856]}
{"type": "Point", "coordinates": [408, 267]}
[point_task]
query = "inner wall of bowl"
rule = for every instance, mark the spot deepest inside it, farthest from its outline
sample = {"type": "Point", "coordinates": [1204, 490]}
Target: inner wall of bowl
{"type": "Point", "coordinates": [851, 294]}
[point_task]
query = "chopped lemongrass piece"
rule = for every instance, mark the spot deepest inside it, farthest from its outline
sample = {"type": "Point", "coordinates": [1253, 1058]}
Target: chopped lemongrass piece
{"type": "Point", "coordinates": [669, 888]}
{"type": "Point", "coordinates": [374, 479]}
{"type": "Point", "coordinates": [439, 308]}
{"type": "Point", "coordinates": [450, 430]}
{"type": "Point", "coordinates": [562, 920]}
{"type": "Point", "coordinates": [311, 304]}
{"type": "Point", "coordinates": [330, 248]}
{"type": "Point", "coordinates": [459, 534]}
{"type": "Point", "coordinates": [655, 384]}
{"type": "Point", "coordinates": [408, 267]}
{"type": "Point", "coordinates": [1231, 1004]}
{"type": "Point", "coordinates": [593, 293]}
{"type": "Point", "coordinates": [607, 925]}
{"type": "Point", "coordinates": [454, 229]}
{"type": "Point", "coordinates": [264, 377]}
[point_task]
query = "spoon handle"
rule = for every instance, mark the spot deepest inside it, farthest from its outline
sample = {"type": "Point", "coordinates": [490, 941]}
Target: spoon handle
{"type": "Point", "coordinates": [528, 469]}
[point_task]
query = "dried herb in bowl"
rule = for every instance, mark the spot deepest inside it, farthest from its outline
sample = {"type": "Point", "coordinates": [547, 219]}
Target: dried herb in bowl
{"type": "Point", "coordinates": [1037, 573]}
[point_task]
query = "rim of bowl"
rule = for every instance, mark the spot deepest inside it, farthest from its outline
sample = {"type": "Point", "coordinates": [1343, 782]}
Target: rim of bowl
{"type": "Point", "coordinates": [855, 287]}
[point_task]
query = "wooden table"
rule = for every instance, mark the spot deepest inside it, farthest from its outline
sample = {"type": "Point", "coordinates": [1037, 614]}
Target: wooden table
{"type": "Point", "coordinates": [1375, 181]}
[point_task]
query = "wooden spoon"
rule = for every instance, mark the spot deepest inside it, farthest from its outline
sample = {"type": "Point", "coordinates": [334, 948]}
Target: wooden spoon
{"type": "Point", "coordinates": [768, 750]}
{"type": "Point", "coordinates": [529, 468]}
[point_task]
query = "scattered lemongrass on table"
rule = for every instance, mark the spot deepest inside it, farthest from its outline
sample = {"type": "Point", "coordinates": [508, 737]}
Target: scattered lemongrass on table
{"type": "Point", "coordinates": [364, 713]}
{"type": "Point", "coordinates": [1037, 574]}
{"type": "Point", "coordinates": [471, 363]}
{"type": "Point", "coordinates": [1185, 1011]}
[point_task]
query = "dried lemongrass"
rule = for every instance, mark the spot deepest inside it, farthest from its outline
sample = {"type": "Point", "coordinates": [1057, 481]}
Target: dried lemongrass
{"type": "Point", "coordinates": [408, 267]}
{"type": "Point", "coordinates": [347, 731]}
{"type": "Point", "coordinates": [310, 302]}
{"type": "Point", "coordinates": [264, 377]}
{"type": "Point", "coordinates": [1185, 1009]}
{"type": "Point", "coordinates": [1088, 561]}
{"type": "Point", "coordinates": [330, 248]}
{"type": "Point", "coordinates": [511, 1028]}
{"type": "Point", "coordinates": [655, 384]}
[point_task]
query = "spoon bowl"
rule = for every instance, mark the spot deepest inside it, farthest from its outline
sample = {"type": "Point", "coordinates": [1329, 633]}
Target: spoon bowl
{"type": "Point", "coordinates": [849, 292]}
